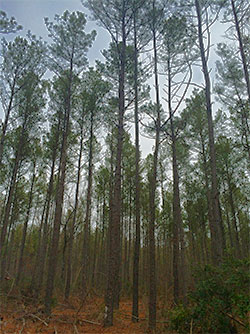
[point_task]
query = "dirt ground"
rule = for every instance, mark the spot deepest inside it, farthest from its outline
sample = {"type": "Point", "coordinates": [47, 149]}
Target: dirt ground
{"type": "Point", "coordinates": [69, 318]}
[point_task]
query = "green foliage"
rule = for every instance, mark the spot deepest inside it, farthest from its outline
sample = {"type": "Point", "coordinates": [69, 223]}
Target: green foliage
{"type": "Point", "coordinates": [221, 295]}
{"type": "Point", "coordinates": [8, 25]}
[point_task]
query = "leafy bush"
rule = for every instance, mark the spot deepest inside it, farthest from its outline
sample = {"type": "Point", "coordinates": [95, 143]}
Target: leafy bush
{"type": "Point", "coordinates": [220, 301]}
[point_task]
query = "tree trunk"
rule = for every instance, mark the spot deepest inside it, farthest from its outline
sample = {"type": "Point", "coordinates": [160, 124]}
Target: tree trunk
{"type": "Point", "coordinates": [114, 254]}
{"type": "Point", "coordinates": [241, 46]}
{"type": "Point", "coordinates": [152, 191]}
{"type": "Point", "coordinates": [6, 121]}
{"type": "Point", "coordinates": [86, 231]}
{"type": "Point", "coordinates": [135, 308]}
{"type": "Point", "coordinates": [235, 227]}
{"type": "Point", "coordinates": [20, 263]}
{"type": "Point", "coordinates": [216, 224]}
{"type": "Point", "coordinates": [72, 224]}
{"type": "Point", "coordinates": [10, 194]}
{"type": "Point", "coordinates": [42, 250]}
{"type": "Point", "coordinates": [59, 202]}
{"type": "Point", "coordinates": [96, 244]}
{"type": "Point", "coordinates": [7, 256]}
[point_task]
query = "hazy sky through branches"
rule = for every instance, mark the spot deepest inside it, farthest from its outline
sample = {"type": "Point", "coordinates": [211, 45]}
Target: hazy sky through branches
{"type": "Point", "coordinates": [31, 13]}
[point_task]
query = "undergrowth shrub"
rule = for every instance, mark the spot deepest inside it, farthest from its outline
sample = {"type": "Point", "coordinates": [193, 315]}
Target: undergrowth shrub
{"type": "Point", "coordinates": [219, 303]}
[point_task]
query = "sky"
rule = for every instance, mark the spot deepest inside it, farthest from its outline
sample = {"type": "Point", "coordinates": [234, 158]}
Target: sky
{"type": "Point", "coordinates": [31, 13]}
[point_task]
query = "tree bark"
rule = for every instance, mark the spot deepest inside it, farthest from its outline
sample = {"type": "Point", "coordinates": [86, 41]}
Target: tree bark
{"type": "Point", "coordinates": [216, 224]}
{"type": "Point", "coordinates": [52, 264]}
{"type": "Point", "coordinates": [233, 211]}
{"type": "Point", "coordinates": [114, 254]}
{"type": "Point", "coordinates": [241, 46]}
{"type": "Point", "coordinates": [85, 250]}
{"type": "Point", "coordinates": [72, 224]}
{"type": "Point", "coordinates": [11, 192]}
{"type": "Point", "coordinates": [42, 251]}
{"type": "Point", "coordinates": [135, 308]}
{"type": "Point", "coordinates": [20, 262]}
{"type": "Point", "coordinates": [152, 191]}
{"type": "Point", "coordinates": [6, 121]}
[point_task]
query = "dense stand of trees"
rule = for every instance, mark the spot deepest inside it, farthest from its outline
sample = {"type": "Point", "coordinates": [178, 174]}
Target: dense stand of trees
{"type": "Point", "coordinates": [79, 207]}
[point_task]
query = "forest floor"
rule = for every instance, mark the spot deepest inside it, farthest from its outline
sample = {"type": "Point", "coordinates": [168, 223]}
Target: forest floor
{"type": "Point", "coordinates": [73, 317]}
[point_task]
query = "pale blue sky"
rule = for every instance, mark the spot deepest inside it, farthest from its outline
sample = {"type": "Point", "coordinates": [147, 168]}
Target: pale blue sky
{"type": "Point", "coordinates": [30, 14]}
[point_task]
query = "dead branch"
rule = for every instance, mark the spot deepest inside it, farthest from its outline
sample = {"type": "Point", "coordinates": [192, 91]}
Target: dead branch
{"type": "Point", "coordinates": [75, 329]}
{"type": "Point", "coordinates": [36, 317]}
{"type": "Point", "coordinates": [191, 326]}
{"type": "Point", "coordinates": [90, 322]}
{"type": "Point", "coordinates": [21, 330]}
{"type": "Point", "coordinates": [78, 320]}
{"type": "Point", "coordinates": [234, 319]}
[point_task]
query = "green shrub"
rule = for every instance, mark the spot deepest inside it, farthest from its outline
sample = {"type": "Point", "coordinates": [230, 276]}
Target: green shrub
{"type": "Point", "coordinates": [220, 296]}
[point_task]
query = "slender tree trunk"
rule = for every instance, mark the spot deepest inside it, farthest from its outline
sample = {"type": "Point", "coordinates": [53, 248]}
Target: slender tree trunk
{"type": "Point", "coordinates": [86, 231]}
{"type": "Point", "coordinates": [241, 46]}
{"type": "Point", "coordinates": [42, 250]}
{"type": "Point", "coordinates": [6, 121]}
{"type": "Point", "coordinates": [64, 249]}
{"type": "Point", "coordinates": [204, 240]}
{"type": "Point", "coordinates": [216, 224]}
{"type": "Point", "coordinates": [20, 263]}
{"type": "Point", "coordinates": [96, 242]}
{"type": "Point", "coordinates": [152, 205]}
{"type": "Point", "coordinates": [38, 253]}
{"type": "Point", "coordinates": [72, 224]}
{"type": "Point", "coordinates": [208, 191]}
{"type": "Point", "coordinates": [114, 254]}
{"type": "Point", "coordinates": [10, 250]}
{"type": "Point", "coordinates": [52, 264]}
{"type": "Point", "coordinates": [233, 211]}
{"type": "Point", "coordinates": [135, 308]}
{"type": "Point", "coordinates": [245, 128]}
{"type": "Point", "coordinates": [177, 220]}
{"type": "Point", "coordinates": [10, 194]}
{"type": "Point", "coordinates": [7, 258]}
